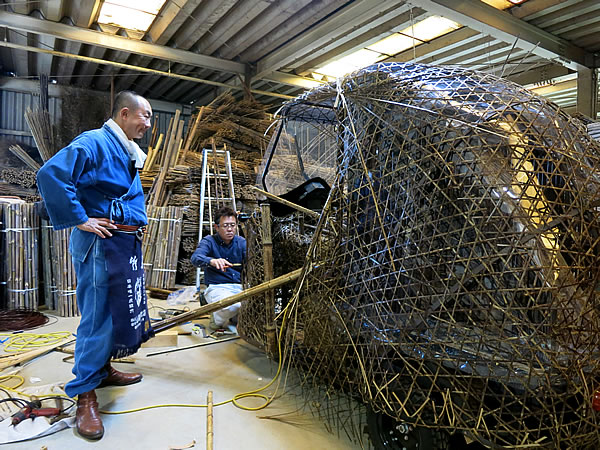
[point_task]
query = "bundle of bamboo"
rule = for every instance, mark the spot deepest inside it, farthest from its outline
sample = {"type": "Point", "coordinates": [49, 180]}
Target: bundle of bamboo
{"type": "Point", "coordinates": [20, 225]}
{"type": "Point", "coordinates": [25, 178]}
{"type": "Point", "coordinates": [165, 161]}
{"type": "Point", "coordinates": [161, 245]}
{"type": "Point", "coordinates": [238, 125]}
{"type": "Point", "coordinates": [41, 129]}
{"type": "Point", "coordinates": [59, 273]}
{"type": "Point", "coordinates": [18, 151]}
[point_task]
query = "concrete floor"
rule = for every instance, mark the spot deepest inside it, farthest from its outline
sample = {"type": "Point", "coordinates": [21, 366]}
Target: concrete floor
{"type": "Point", "coordinates": [186, 376]}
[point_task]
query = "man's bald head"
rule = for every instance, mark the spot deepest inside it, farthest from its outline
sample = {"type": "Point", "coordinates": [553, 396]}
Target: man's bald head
{"type": "Point", "coordinates": [132, 113]}
{"type": "Point", "coordinates": [125, 99]}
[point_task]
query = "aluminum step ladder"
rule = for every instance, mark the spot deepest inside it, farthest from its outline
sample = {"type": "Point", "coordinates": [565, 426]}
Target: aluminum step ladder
{"type": "Point", "coordinates": [216, 191]}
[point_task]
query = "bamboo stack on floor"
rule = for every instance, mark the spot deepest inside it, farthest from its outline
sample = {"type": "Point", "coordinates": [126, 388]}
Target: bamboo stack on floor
{"type": "Point", "coordinates": [20, 225]}
{"type": "Point", "coordinates": [161, 245]}
{"type": "Point", "coordinates": [63, 274]}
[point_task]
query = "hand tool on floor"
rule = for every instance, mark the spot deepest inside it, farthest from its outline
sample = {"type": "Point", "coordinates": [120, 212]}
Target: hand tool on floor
{"type": "Point", "coordinates": [33, 409]}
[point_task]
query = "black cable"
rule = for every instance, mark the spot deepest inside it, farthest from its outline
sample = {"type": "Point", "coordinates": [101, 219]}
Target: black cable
{"type": "Point", "coordinates": [18, 401]}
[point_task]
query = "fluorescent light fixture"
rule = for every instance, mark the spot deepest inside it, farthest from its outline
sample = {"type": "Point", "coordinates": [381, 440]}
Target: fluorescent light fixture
{"type": "Point", "coordinates": [351, 62]}
{"type": "Point", "coordinates": [393, 44]}
{"type": "Point", "coordinates": [503, 4]}
{"type": "Point", "coordinates": [422, 31]}
{"type": "Point", "coordinates": [130, 14]}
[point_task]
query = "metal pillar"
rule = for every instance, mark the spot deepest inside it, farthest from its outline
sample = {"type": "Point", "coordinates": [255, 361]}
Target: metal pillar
{"type": "Point", "coordinates": [587, 92]}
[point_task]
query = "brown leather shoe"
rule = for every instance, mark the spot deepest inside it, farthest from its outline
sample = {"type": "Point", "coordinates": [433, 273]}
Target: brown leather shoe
{"type": "Point", "coordinates": [116, 378]}
{"type": "Point", "coordinates": [89, 424]}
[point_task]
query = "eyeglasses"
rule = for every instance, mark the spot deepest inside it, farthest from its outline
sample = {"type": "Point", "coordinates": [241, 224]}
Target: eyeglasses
{"type": "Point", "coordinates": [228, 225]}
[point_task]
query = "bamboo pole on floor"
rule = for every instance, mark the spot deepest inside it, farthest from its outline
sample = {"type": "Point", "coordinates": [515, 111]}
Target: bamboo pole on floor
{"type": "Point", "coordinates": [209, 421]}
{"type": "Point", "coordinates": [228, 301]}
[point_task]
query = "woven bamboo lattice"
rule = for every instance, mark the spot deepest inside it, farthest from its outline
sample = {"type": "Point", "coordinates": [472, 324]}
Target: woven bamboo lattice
{"type": "Point", "coordinates": [451, 282]}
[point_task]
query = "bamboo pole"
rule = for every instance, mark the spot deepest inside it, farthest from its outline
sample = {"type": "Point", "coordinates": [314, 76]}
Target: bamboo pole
{"type": "Point", "coordinates": [225, 302]}
{"type": "Point", "coordinates": [209, 421]}
{"type": "Point", "coordinates": [161, 159]}
{"type": "Point", "coordinates": [267, 242]}
{"type": "Point", "coordinates": [191, 135]}
{"type": "Point", "coordinates": [21, 255]}
{"type": "Point", "coordinates": [149, 163]}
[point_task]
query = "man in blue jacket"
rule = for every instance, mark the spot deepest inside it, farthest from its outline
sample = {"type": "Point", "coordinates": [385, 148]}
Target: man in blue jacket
{"type": "Point", "coordinates": [221, 256]}
{"type": "Point", "coordinates": [93, 186]}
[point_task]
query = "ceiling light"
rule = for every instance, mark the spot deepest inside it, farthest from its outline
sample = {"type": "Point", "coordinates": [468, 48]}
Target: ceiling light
{"type": "Point", "coordinates": [130, 14]}
{"type": "Point", "coordinates": [503, 4]}
{"type": "Point", "coordinates": [423, 31]}
{"type": "Point", "coordinates": [351, 62]}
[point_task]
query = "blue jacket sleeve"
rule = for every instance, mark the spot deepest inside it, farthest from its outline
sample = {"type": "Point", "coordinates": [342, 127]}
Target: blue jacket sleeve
{"type": "Point", "coordinates": [58, 180]}
{"type": "Point", "coordinates": [202, 254]}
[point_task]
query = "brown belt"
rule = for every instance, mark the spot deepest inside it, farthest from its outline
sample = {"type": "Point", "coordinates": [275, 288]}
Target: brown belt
{"type": "Point", "coordinates": [129, 228]}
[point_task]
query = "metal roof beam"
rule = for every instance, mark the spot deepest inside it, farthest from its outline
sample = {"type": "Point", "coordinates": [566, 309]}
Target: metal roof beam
{"type": "Point", "coordinates": [59, 30]}
{"type": "Point", "coordinates": [96, 61]}
{"type": "Point", "coordinates": [44, 27]}
{"type": "Point", "coordinates": [503, 26]}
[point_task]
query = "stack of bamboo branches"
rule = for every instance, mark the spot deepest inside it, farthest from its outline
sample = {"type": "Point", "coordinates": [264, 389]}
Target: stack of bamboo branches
{"type": "Point", "coordinates": [20, 183]}
{"type": "Point", "coordinates": [164, 160]}
{"type": "Point", "coordinates": [18, 151]}
{"type": "Point", "coordinates": [20, 225]}
{"type": "Point", "coordinates": [41, 129]}
{"type": "Point", "coordinates": [59, 272]}
{"type": "Point", "coordinates": [238, 125]}
{"type": "Point", "coordinates": [161, 245]}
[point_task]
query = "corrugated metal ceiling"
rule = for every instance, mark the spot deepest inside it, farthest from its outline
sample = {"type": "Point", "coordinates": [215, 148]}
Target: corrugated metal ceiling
{"type": "Point", "coordinates": [281, 42]}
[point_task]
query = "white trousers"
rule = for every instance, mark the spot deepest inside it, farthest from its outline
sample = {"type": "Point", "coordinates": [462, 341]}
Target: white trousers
{"type": "Point", "coordinates": [216, 292]}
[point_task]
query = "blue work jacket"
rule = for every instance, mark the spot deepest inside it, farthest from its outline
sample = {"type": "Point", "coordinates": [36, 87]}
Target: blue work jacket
{"type": "Point", "coordinates": [212, 247]}
{"type": "Point", "coordinates": [92, 177]}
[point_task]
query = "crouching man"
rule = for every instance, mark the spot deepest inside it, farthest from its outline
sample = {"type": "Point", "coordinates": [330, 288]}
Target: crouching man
{"type": "Point", "coordinates": [221, 255]}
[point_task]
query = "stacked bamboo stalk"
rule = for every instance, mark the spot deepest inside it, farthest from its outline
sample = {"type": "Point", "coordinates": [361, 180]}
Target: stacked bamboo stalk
{"type": "Point", "coordinates": [20, 225]}
{"type": "Point", "coordinates": [239, 125]}
{"type": "Point", "coordinates": [41, 129]}
{"type": "Point", "coordinates": [25, 178]}
{"type": "Point", "coordinates": [46, 262]}
{"type": "Point", "coordinates": [161, 245]}
{"type": "Point", "coordinates": [63, 274]}
{"type": "Point", "coordinates": [18, 151]}
{"type": "Point", "coordinates": [165, 160]}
